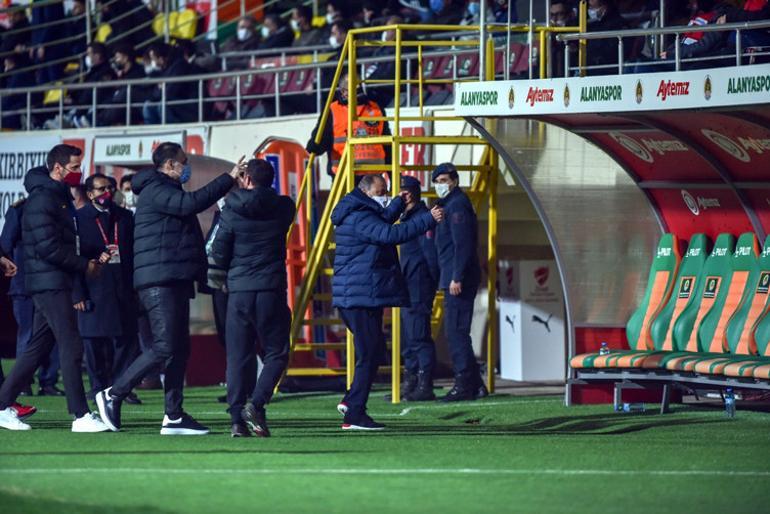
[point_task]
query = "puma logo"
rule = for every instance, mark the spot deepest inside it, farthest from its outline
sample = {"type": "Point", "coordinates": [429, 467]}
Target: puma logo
{"type": "Point", "coordinates": [510, 322]}
{"type": "Point", "coordinates": [545, 322]}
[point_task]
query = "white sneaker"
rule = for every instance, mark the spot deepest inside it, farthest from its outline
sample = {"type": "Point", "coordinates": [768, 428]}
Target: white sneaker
{"type": "Point", "coordinates": [10, 420]}
{"type": "Point", "coordinates": [89, 423]}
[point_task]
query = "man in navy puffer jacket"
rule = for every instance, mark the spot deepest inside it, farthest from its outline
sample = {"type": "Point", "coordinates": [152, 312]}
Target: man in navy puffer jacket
{"type": "Point", "coordinates": [367, 278]}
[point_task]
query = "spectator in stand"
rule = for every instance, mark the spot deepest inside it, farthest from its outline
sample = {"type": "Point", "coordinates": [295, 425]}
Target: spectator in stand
{"type": "Point", "coordinates": [336, 10]}
{"type": "Point", "coordinates": [472, 14]}
{"type": "Point", "coordinates": [98, 69]}
{"type": "Point", "coordinates": [125, 68]}
{"type": "Point", "coordinates": [500, 8]}
{"type": "Point", "coordinates": [76, 28]}
{"type": "Point", "coordinates": [385, 70]}
{"type": "Point", "coordinates": [245, 39]}
{"type": "Point", "coordinates": [371, 14]}
{"type": "Point", "coordinates": [180, 97]}
{"type": "Point", "coordinates": [11, 63]}
{"type": "Point", "coordinates": [20, 36]}
{"type": "Point", "coordinates": [275, 33]}
{"type": "Point", "coordinates": [130, 20]}
{"type": "Point", "coordinates": [562, 14]}
{"type": "Point", "coordinates": [339, 32]}
{"type": "Point", "coordinates": [41, 51]}
{"type": "Point", "coordinates": [752, 10]}
{"type": "Point", "coordinates": [301, 23]}
{"type": "Point", "coordinates": [190, 54]}
{"type": "Point", "coordinates": [603, 15]}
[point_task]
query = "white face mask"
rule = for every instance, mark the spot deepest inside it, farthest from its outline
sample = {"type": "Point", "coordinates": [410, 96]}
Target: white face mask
{"type": "Point", "coordinates": [89, 62]}
{"type": "Point", "coordinates": [329, 18]}
{"type": "Point", "coordinates": [333, 42]}
{"type": "Point", "coordinates": [383, 200]}
{"type": "Point", "coordinates": [243, 34]}
{"type": "Point", "coordinates": [294, 25]}
{"type": "Point", "coordinates": [129, 199]}
{"type": "Point", "coordinates": [593, 14]}
{"type": "Point", "coordinates": [384, 37]}
{"type": "Point", "coordinates": [442, 190]}
{"type": "Point", "coordinates": [265, 32]}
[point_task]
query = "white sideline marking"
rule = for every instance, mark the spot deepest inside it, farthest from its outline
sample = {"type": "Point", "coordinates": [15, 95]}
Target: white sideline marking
{"type": "Point", "coordinates": [401, 471]}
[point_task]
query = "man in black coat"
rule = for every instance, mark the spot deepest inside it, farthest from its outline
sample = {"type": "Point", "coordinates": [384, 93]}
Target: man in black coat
{"type": "Point", "coordinates": [106, 307]}
{"type": "Point", "coordinates": [456, 244]}
{"type": "Point", "coordinates": [251, 245]}
{"type": "Point", "coordinates": [52, 262]}
{"type": "Point", "coordinates": [23, 307]}
{"type": "Point", "coordinates": [180, 105]}
{"type": "Point", "coordinates": [169, 257]}
{"type": "Point", "coordinates": [419, 265]}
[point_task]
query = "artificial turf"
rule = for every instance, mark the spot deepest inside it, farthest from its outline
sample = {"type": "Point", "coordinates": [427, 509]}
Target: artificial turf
{"type": "Point", "coordinates": [501, 454]}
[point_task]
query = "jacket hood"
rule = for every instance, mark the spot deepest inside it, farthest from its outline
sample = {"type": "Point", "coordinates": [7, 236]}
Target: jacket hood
{"type": "Point", "coordinates": [144, 178]}
{"type": "Point", "coordinates": [39, 178]}
{"type": "Point", "coordinates": [253, 203]}
{"type": "Point", "coordinates": [354, 201]}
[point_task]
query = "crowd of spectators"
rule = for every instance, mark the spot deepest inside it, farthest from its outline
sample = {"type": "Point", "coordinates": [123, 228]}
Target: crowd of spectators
{"type": "Point", "coordinates": [36, 52]}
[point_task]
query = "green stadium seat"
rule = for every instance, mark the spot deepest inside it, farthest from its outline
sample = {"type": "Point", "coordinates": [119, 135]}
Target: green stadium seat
{"type": "Point", "coordinates": [709, 299]}
{"type": "Point", "coordinates": [659, 287]}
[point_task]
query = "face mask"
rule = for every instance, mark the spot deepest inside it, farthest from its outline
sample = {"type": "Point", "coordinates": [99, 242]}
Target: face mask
{"type": "Point", "coordinates": [436, 5]}
{"type": "Point", "coordinates": [243, 34]}
{"type": "Point", "coordinates": [593, 14]}
{"type": "Point", "coordinates": [329, 18]}
{"type": "Point", "coordinates": [105, 199]}
{"type": "Point", "coordinates": [148, 69]}
{"type": "Point", "coordinates": [384, 37]}
{"type": "Point", "coordinates": [221, 203]}
{"type": "Point", "coordinates": [294, 25]}
{"type": "Point", "coordinates": [442, 190]}
{"type": "Point", "coordinates": [89, 62]}
{"type": "Point", "coordinates": [474, 8]}
{"type": "Point", "coordinates": [129, 198]}
{"type": "Point", "coordinates": [186, 174]}
{"type": "Point", "coordinates": [383, 200]}
{"type": "Point", "coordinates": [265, 32]}
{"type": "Point", "coordinates": [333, 42]}
{"type": "Point", "coordinates": [73, 178]}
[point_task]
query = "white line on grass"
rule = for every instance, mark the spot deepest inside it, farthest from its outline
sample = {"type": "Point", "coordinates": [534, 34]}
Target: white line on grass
{"type": "Point", "coordinates": [386, 471]}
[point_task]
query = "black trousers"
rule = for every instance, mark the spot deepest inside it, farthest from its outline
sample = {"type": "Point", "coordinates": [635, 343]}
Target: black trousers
{"type": "Point", "coordinates": [108, 358]}
{"type": "Point", "coordinates": [54, 320]}
{"type": "Point", "coordinates": [168, 312]}
{"type": "Point", "coordinates": [417, 346]}
{"type": "Point", "coordinates": [458, 314]}
{"type": "Point", "coordinates": [252, 315]}
{"type": "Point", "coordinates": [219, 303]}
{"type": "Point", "coordinates": [369, 343]}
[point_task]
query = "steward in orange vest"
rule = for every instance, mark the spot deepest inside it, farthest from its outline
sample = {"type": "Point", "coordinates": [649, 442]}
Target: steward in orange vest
{"type": "Point", "coordinates": [335, 134]}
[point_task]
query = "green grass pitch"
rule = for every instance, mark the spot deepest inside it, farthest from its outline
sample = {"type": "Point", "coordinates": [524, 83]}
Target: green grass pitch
{"type": "Point", "coordinates": [501, 454]}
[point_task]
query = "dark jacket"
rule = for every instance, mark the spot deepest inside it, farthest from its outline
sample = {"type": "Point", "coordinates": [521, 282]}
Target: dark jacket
{"type": "Point", "coordinates": [48, 232]}
{"type": "Point", "coordinates": [419, 263]}
{"type": "Point", "coordinates": [366, 268]}
{"type": "Point", "coordinates": [168, 241]}
{"type": "Point", "coordinates": [251, 240]}
{"type": "Point", "coordinates": [604, 51]}
{"type": "Point", "coordinates": [178, 91]}
{"type": "Point", "coordinates": [282, 38]}
{"type": "Point", "coordinates": [456, 242]}
{"type": "Point", "coordinates": [11, 245]}
{"type": "Point", "coordinates": [111, 291]}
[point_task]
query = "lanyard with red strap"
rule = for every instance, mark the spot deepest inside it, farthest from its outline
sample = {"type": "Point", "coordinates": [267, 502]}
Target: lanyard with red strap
{"type": "Point", "coordinates": [104, 234]}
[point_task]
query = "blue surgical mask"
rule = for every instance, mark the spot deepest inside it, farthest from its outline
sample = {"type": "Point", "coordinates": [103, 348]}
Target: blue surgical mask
{"type": "Point", "coordinates": [186, 174]}
{"type": "Point", "coordinates": [474, 8]}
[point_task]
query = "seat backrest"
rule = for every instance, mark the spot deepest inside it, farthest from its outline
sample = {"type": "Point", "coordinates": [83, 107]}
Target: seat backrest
{"type": "Point", "coordinates": [743, 324]}
{"type": "Point", "coordinates": [186, 24]}
{"type": "Point", "coordinates": [712, 333]}
{"type": "Point", "coordinates": [659, 286]}
{"type": "Point", "coordinates": [759, 333]}
{"type": "Point", "coordinates": [687, 279]}
{"type": "Point", "coordinates": [103, 32]}
{"type": "Point", "coordinates": [716, 270]}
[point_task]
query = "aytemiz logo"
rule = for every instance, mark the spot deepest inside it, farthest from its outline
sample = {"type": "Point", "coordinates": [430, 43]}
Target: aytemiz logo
{"type": "Point", "coordinates": [668, 88]}
{"type": "Point", "coordinates": [632, 146]}
{"type": "Point", "coordinates": [701, 204]}
{"type": "Point", "coordinates": [727, 144]}
{"type": "Point", "coordinates": [541, 275]}
{"type": "Point", "coordinates": [536, 94]}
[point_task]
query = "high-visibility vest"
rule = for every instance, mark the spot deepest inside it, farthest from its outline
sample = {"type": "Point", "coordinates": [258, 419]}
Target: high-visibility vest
{"type": "Point", "coordinates": [364, 154]}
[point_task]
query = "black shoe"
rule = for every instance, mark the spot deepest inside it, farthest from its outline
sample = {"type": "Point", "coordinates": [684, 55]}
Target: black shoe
{"type": "Point", "coordinates": [150, 383]}
{"type": "Point", "coordinates": [240, 430]}
{"type": "Point", "coordinates": [408, 386]}
{"type": "Point", "coordinates": [255, 419]}
{"type": "Point", "coordinates": [424, 390]}
{"type": "Point", "coordinates": [50, 391]}
{"type": "Point", "coordinates": [461, 391]}
{"type": "Point", "coordinates": [132, 399]}
{"type": "Point", "coordinates": [183, 425]}
{"type": "Point", "coordinates": [481, 391]}
{"type": "Point", "coordinates": [109, 409]}
{"type": "Point", "coordinates": [222, 399]}
{"type": "Point", "coordinates": [362, 422]}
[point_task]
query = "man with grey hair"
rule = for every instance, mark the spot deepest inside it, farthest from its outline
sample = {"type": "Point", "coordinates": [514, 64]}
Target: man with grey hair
{"type": "Point", "coordinates": [367, 278]}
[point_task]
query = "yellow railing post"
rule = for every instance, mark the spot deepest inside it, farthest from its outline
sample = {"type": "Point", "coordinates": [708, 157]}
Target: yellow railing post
{"type": "Point", "coordinates": [492, 271]}
{"type": "Point", "coordinates": [582, 44]}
